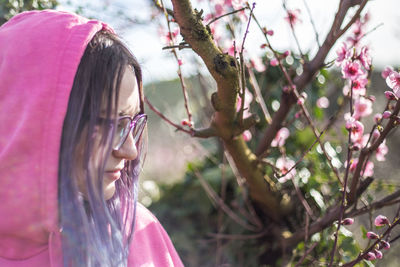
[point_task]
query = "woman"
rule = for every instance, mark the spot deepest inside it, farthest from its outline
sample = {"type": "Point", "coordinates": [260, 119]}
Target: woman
{"type": "Point", "coordinates": [72, 139]}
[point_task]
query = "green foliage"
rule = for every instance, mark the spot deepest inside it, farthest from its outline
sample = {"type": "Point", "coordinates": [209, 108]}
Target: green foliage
{"type": "Point", "coordinates": [9, 8]}
{"type": "Point", "coordinates": [192, 220]}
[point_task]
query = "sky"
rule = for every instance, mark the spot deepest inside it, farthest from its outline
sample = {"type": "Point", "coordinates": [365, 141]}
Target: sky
{"type": "Point", "coordinates": [145, 42]}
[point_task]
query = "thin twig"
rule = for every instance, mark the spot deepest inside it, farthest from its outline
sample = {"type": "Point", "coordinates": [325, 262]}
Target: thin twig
{"type": "Point", "coordinates": [179, 46]}
{"type": "Point", "coordinates": [305, 254]}
{"type": "Point", "coordinates": [259, 98]}
{"type": "Point", "coordinates": [221, 204]}
{"type": "Point", "coordinates": [227, 14]}
{"type": "Point", "coordinates": [182, 81]}
{"type": "Point", "coordinates": [293, 31]}
{"type": "Point", "coordinates": [302, 200]}
{"type": "Point", "coordinates": [312, 22]}
{"type": "Point", "coordinates": [238, 237]}
{"type": "Point", "coordinates": [177, 126]}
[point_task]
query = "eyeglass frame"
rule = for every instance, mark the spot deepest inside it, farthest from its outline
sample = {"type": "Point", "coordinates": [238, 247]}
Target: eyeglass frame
{"type": "Point", "coordinates": [132, 125]}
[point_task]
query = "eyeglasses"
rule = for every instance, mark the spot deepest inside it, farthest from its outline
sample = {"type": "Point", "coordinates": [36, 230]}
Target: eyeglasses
{"type": "Point", "coordinates": [125, 125]}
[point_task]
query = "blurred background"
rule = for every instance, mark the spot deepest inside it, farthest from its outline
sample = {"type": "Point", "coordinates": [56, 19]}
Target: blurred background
{"type": "Point", "coordinates": [167, 186]}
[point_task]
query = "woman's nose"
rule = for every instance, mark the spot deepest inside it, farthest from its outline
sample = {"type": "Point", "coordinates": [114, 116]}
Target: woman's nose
{"type": "Point", "coordinates": [128, 149]}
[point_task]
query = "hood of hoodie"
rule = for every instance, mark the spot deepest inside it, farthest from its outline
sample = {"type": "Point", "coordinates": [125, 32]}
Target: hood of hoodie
{"type": "Point", "coordinates": [39, 55]}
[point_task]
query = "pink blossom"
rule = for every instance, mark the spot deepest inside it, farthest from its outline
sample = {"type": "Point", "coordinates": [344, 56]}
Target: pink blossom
{"type": "Point", "coordinates": [362, 107]}
{"type": "Point", "coordinates": [237, 4]}
{"type": "Point", "coordinates": [372, 235]}
{"type": "Point", "coordinates": [387, 114]}
{"type": "Point", "coordinates": [348, 221]}
{"type": "Point", "coordinates": [393, 81]}
{"type": "Point", "coordinates": [381, 151]}
{"type": "Point", "coordinates": [274, 62]}
{"type": "Point", "coordinates": [248, 98]}
{"type": "Point", "coordinates": [287, 88]}
{"type": "Point", "coordinates": [219, 9]}
{"type": "Point", "coordinates": [365, 58]}
{"type": "Point", "coordinates": [247, 135]}
{"type": "Point", "coordinates": [323, 102]}
{"type": "Point", "coordinates": [300, 101]}
{"type": "Point", "coordinates": [258, 64]}
{"type": "Point", "coordinates": [386, 72]}
{"type": "Point", "coordinates": [280, 137]}
{"type": "Point", "coordinates": [284, 165]}
{"type": "Point", "coordinates": [351, 70]}
{"type": "Point", "coordinates": [381, 220]}
{"type": "Point", "coordinates": [384, 244]}
{"type": "Point", "coordinates": [298, 114]}
{"type": "Point", "coordinates": [208, 17]}
{"type": "Point", "coordinates": [180, 62]}
{"type": "Point", "coordinates": [377, 117]}
{"type": "Point", "coordinates": [360, 83]}
{"type": "Point", "coordinates": [378, 254]}
{"type": "Point", "coordinates": [231, 48]}
{"type": "Point", "coordinates": [342, 53]}
{"type": "Point", "coordinates": [356, 129]}
{"type": "Point", "coordinates": [369, 168]}
{"type": "Point", "coordinates": [293, 17]}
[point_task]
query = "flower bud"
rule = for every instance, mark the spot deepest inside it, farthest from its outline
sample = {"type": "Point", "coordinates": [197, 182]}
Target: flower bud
{"type": "Point", "coordinates": [372, 98]}
{"type": "Point", "coordinates": [377, 117]}
{"type": "Point", "coordinates": [300, 101]}
{"type": "Point", "coordinates": [286, 53]}
{"type": "Point", "coordinates": [386, 114]}
{"type": "Point", "coordinates": [274, 62]}
{"type": "Point", "coordinates": [378, 254]}
{"type": "Point", "coordinates": [270, 32]}
{"type": "Point", "coordinates": [390, 95]}
{"type": "Point", "coordinates": [385, 245]}
{"type": "Point", "coordinates": [263, 46]}
{"type": "Point", "coordinates": [381, 220]}
{"type": "Point", "coordinates": [376, 134]}
{"type": "Point", "coordinates": [372, 235]}
{"type": "Point", "coordinates": [247, 135]}
{"type": "Point", "coordinates": [298, 114]}
{"type": "Point", "coordinates": [186, 122]}
{"type": "Point", "coordinates": [370, 256]}
{"type": "Point", "coordinates": [348, 221]}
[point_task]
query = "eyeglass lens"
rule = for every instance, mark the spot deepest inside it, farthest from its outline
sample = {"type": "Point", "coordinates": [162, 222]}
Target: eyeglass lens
{"type": "Point", "coordinates": [124, 127]}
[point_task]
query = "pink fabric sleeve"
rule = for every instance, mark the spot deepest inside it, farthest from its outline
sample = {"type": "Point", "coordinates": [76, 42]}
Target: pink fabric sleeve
{"type": "Point", "coordinates": [151, 245]}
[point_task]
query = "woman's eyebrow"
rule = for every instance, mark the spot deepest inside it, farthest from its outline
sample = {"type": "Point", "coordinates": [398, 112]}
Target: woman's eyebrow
{"type": "Point", "coordinates": [128, 112]}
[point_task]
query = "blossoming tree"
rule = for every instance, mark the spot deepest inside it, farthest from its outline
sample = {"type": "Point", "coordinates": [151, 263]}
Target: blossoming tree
{"type": "Point", "coordinates": [295, 194]}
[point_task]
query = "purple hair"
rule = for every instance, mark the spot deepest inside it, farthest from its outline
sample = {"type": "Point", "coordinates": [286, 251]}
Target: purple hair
{"type": "Point", "coordinates": [95, 231]}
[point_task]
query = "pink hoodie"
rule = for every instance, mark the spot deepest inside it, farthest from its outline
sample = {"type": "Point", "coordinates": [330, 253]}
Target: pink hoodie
{"type": "Point", "coordinates": [39, 55]}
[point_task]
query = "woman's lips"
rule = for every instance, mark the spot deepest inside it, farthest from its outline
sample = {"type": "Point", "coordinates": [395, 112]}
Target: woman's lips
{"type": "Point", "coordinates": [113, 175]}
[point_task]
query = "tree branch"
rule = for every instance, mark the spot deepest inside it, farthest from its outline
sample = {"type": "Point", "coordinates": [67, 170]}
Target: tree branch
{"type": "Point", "coordinates": [310, 70]}
{"type": "Point", "coordinates": [224, 70]}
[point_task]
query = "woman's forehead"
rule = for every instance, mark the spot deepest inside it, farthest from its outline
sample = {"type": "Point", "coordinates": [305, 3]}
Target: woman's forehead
{"type": "Point", "coordinates": [128, 102]}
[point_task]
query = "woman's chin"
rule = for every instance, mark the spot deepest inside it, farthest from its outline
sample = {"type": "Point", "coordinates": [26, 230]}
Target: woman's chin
{"type": "Point", "coordinates": [109, 190]}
